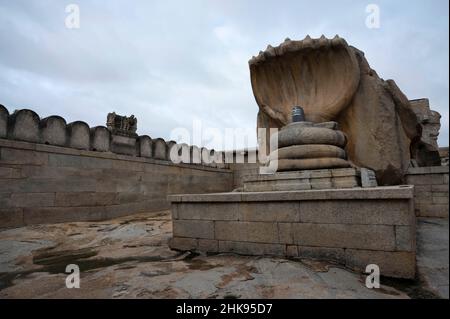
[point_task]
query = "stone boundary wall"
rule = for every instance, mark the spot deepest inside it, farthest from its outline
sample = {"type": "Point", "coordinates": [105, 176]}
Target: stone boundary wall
{"type": "Point", "coordinates": [48, 184]}
{"type": "Point", "coordinates": [443, 153]}
{"type": "Point", "coordinates": [354, 227]}
{"type": "Point", "coordinates": [25, 125]}
{"type": "Point", "coordinates": [430, 191]}
{"type": "Point", "coordinates": [243, 166]}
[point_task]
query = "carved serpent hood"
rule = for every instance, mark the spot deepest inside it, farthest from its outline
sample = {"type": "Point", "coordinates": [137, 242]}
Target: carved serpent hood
{"type": "Point", "coordinates": [321, 75]}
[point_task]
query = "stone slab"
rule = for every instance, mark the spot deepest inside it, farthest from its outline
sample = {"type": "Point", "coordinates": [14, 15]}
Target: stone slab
{"type": "Point", "coordinates": [303, 180]}
{"type": "Point", "coordinates": [385, 192]}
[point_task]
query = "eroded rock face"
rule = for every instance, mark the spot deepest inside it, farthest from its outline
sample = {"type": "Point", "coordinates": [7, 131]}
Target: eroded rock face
{"type": "Point", "coordinates": [426, 150]}
{"type": "Point", "coordinates": [429, 119]}
{"type": "Point", "coordinates": [333, 81]}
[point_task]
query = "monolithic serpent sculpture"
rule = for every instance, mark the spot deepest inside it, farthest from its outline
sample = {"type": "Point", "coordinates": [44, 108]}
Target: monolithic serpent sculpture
{"type": "Point", "coordinates": [333, 81]}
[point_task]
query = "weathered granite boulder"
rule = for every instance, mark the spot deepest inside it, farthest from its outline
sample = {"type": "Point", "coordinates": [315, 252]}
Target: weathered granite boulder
{"type": "Point", "coordinates": [333, 81]}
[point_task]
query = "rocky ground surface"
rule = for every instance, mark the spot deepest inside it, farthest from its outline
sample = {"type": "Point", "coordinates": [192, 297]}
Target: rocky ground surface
{"type": "Point", "coordinates": [433, 254]}
{"type": "Point", "coordinates": [129, 258]}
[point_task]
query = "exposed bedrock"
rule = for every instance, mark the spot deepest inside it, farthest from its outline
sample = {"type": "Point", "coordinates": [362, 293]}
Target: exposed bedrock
{"type": "Point", "coordinates": [333, 81]}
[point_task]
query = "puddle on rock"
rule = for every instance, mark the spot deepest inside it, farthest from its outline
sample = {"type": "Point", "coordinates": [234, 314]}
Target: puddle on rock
{"type": "Point", "coordinates": [200, 264]}
{"type": "Point", "coordinates": [55, 262]}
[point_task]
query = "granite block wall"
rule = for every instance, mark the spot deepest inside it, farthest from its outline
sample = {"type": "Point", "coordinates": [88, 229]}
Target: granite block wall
{"type": "Point", "coordinates": [51, 171]}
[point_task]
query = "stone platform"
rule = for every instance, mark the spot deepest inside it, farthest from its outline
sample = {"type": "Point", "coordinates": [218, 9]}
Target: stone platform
{"type": "Point", "coordinates": [304, 180]}
{"type": "Point", "coordinates": [354, 227]}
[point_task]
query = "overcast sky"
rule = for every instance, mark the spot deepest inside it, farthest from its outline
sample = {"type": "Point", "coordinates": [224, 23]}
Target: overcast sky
{"type": "Point", "coordinates": [170, 62]}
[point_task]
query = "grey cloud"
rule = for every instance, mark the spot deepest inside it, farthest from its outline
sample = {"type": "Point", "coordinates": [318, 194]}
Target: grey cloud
{"type": "Point", "coordinates": [175, 61]}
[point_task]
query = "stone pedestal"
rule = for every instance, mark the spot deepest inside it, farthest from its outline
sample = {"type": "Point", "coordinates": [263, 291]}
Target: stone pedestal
{"type": "Point", "coordinates": [304, 180]}
{"type": "Point", "coordinates": [354, 227]}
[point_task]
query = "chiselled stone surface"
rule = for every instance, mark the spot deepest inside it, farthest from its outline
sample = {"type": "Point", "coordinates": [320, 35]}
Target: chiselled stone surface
{"type": "Point", "coordinates": [121, 125]}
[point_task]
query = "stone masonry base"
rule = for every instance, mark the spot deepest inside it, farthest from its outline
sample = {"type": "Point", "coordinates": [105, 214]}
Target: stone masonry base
{"type": "Point", "coordinates": [354, 227]}
{"type": "Point", "coordinates": [430, 190]}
